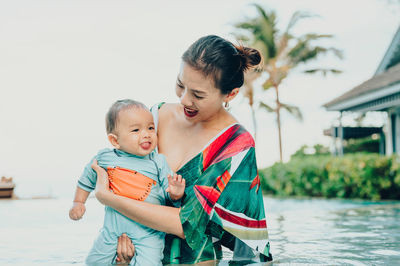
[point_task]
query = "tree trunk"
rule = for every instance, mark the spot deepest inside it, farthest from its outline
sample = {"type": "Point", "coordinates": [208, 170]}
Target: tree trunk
{"type": "Point", "coordinates": [278, 121]}
{"type": "Point", "coordinates": [253, 115]}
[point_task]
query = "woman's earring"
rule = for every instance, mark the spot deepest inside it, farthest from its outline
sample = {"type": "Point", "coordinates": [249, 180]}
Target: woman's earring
{"type": "Point", "coordinates": [226, 104]}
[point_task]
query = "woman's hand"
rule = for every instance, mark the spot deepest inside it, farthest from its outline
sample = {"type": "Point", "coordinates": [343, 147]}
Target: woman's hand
{"type": "Point", "coordinates": [102, 185]}
{"type": "Point", "coordinates": [125, 249]}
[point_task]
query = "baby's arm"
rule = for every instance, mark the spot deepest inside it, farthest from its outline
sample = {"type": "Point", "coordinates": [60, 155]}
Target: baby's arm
{"type": "Point", "coordinates": [86, 184]}
{"type": "Point", "coordinates": [78, 206]}
{"type": "Point", "coordinates": [176, 187]}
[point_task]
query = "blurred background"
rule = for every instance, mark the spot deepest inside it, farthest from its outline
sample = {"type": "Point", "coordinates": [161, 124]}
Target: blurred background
{"type": "Point", "coordinates": [333, 64]}
{"type": "Point", "coordinates": [63, 63]}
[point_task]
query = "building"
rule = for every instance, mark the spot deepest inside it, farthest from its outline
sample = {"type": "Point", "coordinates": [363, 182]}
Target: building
{"type": "Point", "coordinates": [379, 93]}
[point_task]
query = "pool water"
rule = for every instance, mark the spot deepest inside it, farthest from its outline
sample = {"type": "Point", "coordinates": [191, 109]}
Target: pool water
{"type": "Point", "coordinates": [302, 232]}
{"type": "Point", "coordinates": [334, 232]}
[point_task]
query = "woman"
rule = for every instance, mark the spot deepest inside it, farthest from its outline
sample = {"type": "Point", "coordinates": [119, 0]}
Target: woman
{"type": "Point", "coordinates": [204, 143]}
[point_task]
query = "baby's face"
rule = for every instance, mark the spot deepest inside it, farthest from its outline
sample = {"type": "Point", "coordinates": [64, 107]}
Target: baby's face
{"type": "Point", "coordinates": [135, 131]}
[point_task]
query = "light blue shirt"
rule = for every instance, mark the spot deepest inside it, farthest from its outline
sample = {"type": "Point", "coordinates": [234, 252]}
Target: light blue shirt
{"type": "Point", "coordinates": [149, 243]}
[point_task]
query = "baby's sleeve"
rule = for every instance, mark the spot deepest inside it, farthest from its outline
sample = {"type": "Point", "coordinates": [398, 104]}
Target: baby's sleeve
{"type": "Point", "coordinates": [87, 181]}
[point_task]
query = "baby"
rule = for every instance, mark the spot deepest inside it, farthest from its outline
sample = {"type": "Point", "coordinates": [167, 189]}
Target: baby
{"type": "Point", "coordinates": [136, 171]}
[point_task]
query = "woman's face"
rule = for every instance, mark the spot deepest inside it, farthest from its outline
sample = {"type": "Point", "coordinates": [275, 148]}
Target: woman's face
{"type": "Point", "coordinates": [200, 99]}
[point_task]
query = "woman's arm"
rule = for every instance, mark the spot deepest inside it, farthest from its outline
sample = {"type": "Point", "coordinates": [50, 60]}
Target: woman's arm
{"type": "Point", "coordinates": [158, 217]}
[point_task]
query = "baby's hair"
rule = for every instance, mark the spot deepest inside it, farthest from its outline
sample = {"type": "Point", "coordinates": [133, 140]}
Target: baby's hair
{"type": "Point", "coordinates": [118, 106]}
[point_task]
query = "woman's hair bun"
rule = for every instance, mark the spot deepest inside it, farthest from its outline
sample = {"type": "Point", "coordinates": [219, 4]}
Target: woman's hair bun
{"type": "Point", "coordinates": [250, 57]}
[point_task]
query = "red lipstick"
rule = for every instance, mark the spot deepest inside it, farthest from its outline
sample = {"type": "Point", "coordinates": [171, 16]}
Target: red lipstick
{"type": "Point", "coordinates": [189, 112]}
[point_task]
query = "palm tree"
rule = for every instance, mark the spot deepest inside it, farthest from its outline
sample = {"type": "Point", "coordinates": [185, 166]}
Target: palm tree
{"type": "Point", "coordinates": [248, 93]}
{"type": "Point", "coordinates": [281, 52]}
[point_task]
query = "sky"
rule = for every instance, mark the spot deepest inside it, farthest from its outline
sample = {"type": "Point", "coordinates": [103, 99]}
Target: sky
{"type": "Point", "coordinates": [64, 62]}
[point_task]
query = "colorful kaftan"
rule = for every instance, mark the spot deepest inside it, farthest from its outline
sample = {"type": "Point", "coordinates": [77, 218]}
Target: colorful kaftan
{"type": "Point", "coordinates": [223, 203]}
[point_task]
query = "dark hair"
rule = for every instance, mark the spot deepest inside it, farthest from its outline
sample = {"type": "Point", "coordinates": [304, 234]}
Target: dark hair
{"type": "Point", "coordinates": [222, 60]}
{"type": "Point", "coordinates": [118, 106]}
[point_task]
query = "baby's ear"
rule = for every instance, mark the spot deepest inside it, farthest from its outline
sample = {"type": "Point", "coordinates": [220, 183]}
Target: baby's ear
{"type": "Point", "coordinates": [113, 140]}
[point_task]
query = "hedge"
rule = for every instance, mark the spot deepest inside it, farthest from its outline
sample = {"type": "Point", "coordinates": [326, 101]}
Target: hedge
{"type": "Point", "coordinates": [357, 175]}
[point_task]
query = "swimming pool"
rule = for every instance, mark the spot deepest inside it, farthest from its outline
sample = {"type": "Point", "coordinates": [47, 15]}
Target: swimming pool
{"type": "Point", "coordinates": [302, 232]}
{"type": "Point", "coordinates": [334, 232]}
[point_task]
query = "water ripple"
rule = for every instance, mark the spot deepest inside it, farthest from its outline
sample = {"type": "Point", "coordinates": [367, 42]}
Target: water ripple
{"type": "Point", "coordinates": [334, 232]}
{"type": "Point", "coordinates": [302, 232]}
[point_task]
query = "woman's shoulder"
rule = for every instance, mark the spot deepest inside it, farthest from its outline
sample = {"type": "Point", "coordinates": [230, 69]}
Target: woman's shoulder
{"type": "Point", "coordinates": [162, 110]}
{"type": "Point", "coordinates": [239, 129]}
{"type": "Point", "coordinates": [165, 107]}
{"type": "Point", "coordinates": [168, 110]}
{"type": "Point", "coordinates": [239, 134]}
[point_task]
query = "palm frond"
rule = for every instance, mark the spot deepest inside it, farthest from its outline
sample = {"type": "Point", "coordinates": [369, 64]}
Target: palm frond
{"type": "Point", "coordinates": [270, 17]}
{"type": "Point", "coordinates": [298, 15]}
{"type": "Point", "coordinates": [268, 84]}
{"type": "Point", "coordinates": [268, 108]}
{"type": "Point", "coordinates": [267, 30]}
{"type": "Point", "coordinates": [313, 36]}
{"type": "Point", "coordinates": [305, 53]}
{"type": "Point", "coordinates": [323, 71]}
{"type": "Point", "coordinates": [293, 110]}
{"type": "Point", "coordinates": [297, 50]}
{"type": "Point", "coordinates": [263, 32]}
{"type": "Point", "coordinates": [337, 52]}
{"type": "Point", "coordinates": [241, 37]}
{"type": "Point", "coordinates": [247, 25]}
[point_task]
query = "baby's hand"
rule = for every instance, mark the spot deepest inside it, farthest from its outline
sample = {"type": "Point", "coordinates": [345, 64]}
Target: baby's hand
{"type": "Point", "coordinates": [176, 186]}
{"type": "Point", "coordinates": [77, 211]}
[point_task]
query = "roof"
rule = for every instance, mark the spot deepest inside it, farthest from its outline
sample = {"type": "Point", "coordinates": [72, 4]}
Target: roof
{"type": "Point", "coordinates": [392, 55]}
{"type": "Point", "coordinates": [387, 74]}
{"type": "Point", "coordinates": [385, 79]}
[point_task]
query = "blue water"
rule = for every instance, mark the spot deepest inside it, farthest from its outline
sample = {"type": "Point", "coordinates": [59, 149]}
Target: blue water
{"type": "Point", "coordinates": [302, 232]}
{"type": "Point", "coordinates": [334, 232]}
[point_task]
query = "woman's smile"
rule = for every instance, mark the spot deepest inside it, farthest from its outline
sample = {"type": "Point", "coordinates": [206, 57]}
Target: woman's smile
{"type": "Point", "coordinates": [190, 112]}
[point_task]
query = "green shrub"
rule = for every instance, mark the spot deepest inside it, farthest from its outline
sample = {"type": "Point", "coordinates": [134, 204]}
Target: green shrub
{"type": "Point", "coordinates": [357, 175]}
